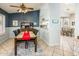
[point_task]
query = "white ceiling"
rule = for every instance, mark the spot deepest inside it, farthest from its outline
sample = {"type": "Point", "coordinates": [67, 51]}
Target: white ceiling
{"type": "Point", "coordinates": [7, 8]}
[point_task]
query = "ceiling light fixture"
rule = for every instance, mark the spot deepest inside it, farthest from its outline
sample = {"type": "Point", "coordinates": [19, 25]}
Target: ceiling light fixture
{"type": "Point", "coordinates": [22, 11]}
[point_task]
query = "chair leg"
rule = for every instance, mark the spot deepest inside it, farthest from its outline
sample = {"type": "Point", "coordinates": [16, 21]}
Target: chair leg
{"type": "Point", "coordinates": [15, 47]}
{"type": "Point", "coordinates": [34, 41]}
{"type": "Point", "coordinates": [35, 44]}
{"type": "Point", "coordinates": [26, 44]}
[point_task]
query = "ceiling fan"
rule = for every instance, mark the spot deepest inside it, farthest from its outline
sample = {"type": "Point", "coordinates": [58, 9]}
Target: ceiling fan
{"type": "Point", "coordinates": [22, 8]}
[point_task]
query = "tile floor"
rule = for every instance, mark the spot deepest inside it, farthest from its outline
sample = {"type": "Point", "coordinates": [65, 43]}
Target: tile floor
{"type": "Point", "coordinates": [7, 47]}
{"type": "Point", "coordinates": [70, 44]}
{"type": "Point", "coordinates": [68, 47]}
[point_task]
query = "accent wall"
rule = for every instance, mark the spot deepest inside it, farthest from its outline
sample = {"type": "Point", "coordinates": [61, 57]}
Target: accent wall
{"type": "Point", "coordinates": [32, 16]}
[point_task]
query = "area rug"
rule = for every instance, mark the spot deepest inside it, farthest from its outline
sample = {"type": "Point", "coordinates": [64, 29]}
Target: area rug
{"type": "Point", "coordinates": [30, 51]}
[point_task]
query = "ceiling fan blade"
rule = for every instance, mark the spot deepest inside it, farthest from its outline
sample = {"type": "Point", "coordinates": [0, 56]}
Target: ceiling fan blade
{"type": "Point", "coordinates": [22, 4]}
{"type": "Point", "coordinates": [18, 9]}
{"type": "Point", "coordinates": [14, 6]}
{"type": "Point", "coordinates": [30, 8]}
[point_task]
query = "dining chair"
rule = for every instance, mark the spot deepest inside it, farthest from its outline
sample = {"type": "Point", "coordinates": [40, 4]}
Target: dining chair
{"type": "Point", "coordinates": [15, 32]}
{"type": "Point", "coordinates": [35, 31]}
{"type": "Point", "coordinates": [18, 30]}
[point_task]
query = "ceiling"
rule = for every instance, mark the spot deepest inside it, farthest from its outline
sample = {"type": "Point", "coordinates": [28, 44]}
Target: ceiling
{"type": "Point", "coordinates": [7, 8]}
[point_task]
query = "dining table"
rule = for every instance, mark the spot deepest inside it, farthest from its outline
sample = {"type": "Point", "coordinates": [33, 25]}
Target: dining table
{"type": "Point", "coordinates": [33, 38]}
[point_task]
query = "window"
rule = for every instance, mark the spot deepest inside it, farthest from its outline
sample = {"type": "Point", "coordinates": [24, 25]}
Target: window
{"type": "Point", "coordinates": [2, 24]}
{"type": "Point", "coordinates": [15, 23]}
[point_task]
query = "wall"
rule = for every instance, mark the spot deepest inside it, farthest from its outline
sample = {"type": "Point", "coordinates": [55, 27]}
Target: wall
{"type": "Point", "coordinates": [54, 27]}
{"type": "Point", "coordinates": [44, 13]}
{"type": "Point", "coordinates": [77, 20]}
{"type": "Point", "coordinates": [32, 16]}
{"type": "Point", "coordinates": [51, 35]}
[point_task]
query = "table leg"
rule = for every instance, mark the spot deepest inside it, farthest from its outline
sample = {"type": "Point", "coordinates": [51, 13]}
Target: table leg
{"type": "Point", "coordinates": [15, 47]}
{"type": "Point", "coordinates": [26, 44]}
{"type": "Point", "coordinates": [35, 44]}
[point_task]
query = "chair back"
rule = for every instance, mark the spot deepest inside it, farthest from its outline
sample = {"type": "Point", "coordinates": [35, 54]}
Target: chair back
{"type": "Point", "coordinates": [16, 32]}
{"type": "Point", "coordinates": [35, 31]}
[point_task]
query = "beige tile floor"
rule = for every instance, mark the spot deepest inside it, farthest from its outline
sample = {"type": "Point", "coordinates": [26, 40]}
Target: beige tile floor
{"type": "Point", "coordinates": [68, 47]}
{"type": "Point", "coordinates": [7, 47]}
{"type": "Point", "coordinates": [70, 44]}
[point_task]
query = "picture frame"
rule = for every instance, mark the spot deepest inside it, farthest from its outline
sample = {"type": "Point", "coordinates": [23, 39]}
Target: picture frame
{"type": "Point", "coordinates": [73, 23]}
{"type": "Point", "coordinates": [66, 22]}
{"type": "Point", "coordinates": [55, 21]}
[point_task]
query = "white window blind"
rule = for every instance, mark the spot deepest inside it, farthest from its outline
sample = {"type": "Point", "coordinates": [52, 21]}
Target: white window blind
{"type": "Point", "coordinates": [2, 24]}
